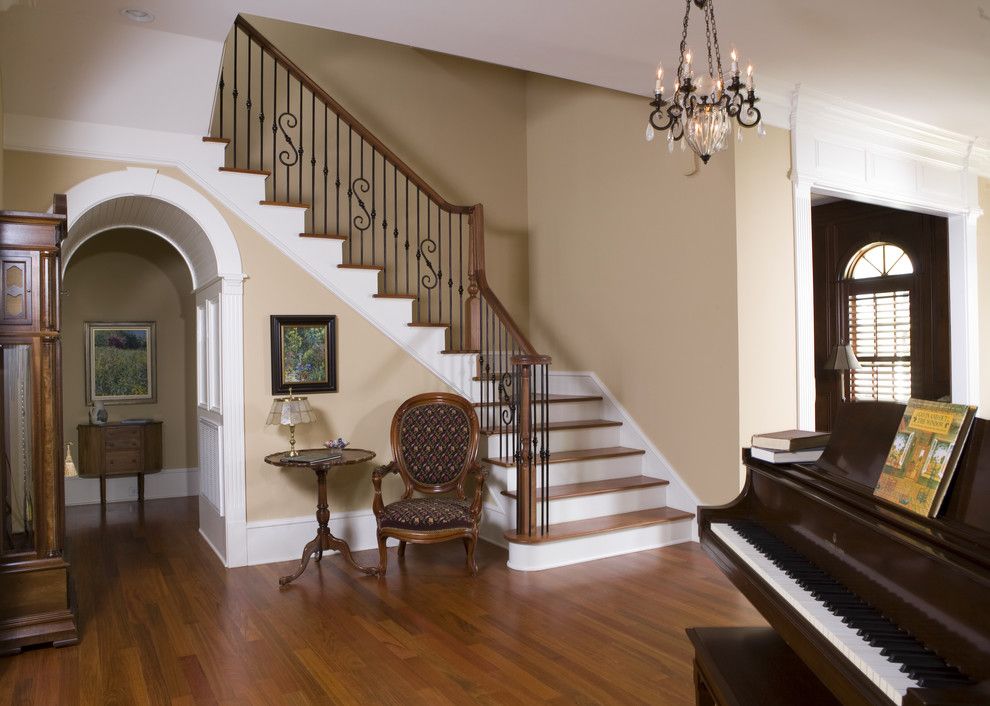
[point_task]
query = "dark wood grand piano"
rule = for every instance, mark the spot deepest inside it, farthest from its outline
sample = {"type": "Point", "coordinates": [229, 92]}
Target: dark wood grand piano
{"type": "Point", "coordinates": [882, 605]}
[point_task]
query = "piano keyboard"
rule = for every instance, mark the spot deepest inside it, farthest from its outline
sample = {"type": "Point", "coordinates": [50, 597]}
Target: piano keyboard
{"type": "Point", "coordinates": [890, 657]}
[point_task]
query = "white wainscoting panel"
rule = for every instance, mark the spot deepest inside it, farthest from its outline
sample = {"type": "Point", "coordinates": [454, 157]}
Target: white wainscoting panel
{"type": "Point", "coordinates": [209, 464]}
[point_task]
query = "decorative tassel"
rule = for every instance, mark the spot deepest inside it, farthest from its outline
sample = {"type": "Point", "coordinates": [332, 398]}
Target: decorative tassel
{"type": "Point", "coordinates": [70, 467]}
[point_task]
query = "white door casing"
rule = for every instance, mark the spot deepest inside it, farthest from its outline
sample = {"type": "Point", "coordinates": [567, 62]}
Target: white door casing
{"type": "Point", "coordinates": [854, 153]}
{"type": "Point", "coordinates": [142, 198]}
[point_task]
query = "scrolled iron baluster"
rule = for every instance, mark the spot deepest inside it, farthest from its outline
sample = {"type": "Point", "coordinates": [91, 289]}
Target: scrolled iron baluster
{"type": "Point", "coordinates": [361, 221]}
{"type": "Point", "coordinates": [432, 278]}
{"type": "Point", "coordinates": [287, 121]}
{"type": "Point", "coordinates": [506, 396]}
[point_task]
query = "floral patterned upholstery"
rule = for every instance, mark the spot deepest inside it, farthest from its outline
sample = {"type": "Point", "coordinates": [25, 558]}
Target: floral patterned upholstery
{"type": "Point", "coordinates": [434, 513]}
{"type": "Point", "coordinates": [435, 439]}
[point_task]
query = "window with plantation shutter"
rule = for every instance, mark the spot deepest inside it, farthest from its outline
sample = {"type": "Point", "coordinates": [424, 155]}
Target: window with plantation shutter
{"type": "Point", "coordinates": [880, 334]}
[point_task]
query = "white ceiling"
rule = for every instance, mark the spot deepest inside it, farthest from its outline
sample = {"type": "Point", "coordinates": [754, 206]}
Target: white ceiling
{"type": "Point", "coordinates": [924, 60]}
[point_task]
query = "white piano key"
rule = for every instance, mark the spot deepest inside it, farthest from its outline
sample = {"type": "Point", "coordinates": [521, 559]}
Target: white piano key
{"type": "Point", "coordinates": [864, 656]}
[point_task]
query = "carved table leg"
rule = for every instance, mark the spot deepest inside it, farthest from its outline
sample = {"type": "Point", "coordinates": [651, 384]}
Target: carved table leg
{"type": "Point", "coordinates": [308, 551]}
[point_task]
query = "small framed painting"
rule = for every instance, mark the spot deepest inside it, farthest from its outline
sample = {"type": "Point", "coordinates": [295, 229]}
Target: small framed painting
{"type": "Point", "coordinates": [120, 362]}
{"type": "Point", "coordinates": [304, 354]}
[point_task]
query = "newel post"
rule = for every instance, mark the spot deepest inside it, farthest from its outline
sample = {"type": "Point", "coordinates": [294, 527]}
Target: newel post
{"type": "Point", "coordinates": [525, 468]}
{"type": "Point", "coordinates": [476, 264]}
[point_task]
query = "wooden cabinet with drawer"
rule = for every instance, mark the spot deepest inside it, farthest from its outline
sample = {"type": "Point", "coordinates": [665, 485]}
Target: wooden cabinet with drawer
{"type": "Point", "coordinates": [119, 449]}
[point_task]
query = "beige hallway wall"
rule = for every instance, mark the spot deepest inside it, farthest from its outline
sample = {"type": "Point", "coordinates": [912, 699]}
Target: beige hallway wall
{"type": "Point", "coordinates": [132, 275]}
{"type": "Point", "coordinates": [633, 272]}
{"type": "Point", "coordinates": [374, 374]}
{"type": "Point", "coordinates": [983, 291]}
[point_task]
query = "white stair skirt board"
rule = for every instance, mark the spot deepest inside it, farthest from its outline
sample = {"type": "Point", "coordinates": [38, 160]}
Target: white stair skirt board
{"type": "Point", "coordinates": [548, 555]}
{"type": "Point", "coordinates": [501, 478]}
{"type": "Point", "coordinates": [589, 438]}
{"type": "Point", "coordinates": [169, 483]}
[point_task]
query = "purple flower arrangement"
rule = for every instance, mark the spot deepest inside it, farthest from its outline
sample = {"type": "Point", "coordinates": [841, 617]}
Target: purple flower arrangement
{"type": "Point", "coordinates": [339, 444]}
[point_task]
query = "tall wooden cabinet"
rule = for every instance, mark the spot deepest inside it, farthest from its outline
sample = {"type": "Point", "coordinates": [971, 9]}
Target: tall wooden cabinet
{"type": "Point", "coordinates": [34, 577]}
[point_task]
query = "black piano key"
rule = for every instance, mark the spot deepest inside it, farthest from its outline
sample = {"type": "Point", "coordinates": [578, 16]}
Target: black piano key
{"type": "Point", "coordinates": [939, 683]}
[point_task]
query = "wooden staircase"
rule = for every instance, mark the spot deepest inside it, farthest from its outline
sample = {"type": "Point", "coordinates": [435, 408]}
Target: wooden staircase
{"type": "Point", "coordinates": [599, 498]}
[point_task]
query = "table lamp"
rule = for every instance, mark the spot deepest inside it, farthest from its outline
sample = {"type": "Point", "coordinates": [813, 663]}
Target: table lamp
{"type": "Point", "coordinates": [290, 411]}
{"type": "Point", "coordinates": [842, 359]}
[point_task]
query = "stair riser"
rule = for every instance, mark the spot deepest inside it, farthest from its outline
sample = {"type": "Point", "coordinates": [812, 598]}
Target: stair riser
{"type": "Point", "coordinates": [594, 438]}
{"type": "Point", "coordinates": [571, 472]}
{"type": "Point", "coordinates": [563, 412]}
{"type": "Point", "coordinates": [547, 555]}
{"type": "Point", "coordinates": [587, 506]}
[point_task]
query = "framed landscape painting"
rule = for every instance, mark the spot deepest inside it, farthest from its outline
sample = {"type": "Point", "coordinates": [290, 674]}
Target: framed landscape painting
{"type": "Point", "coordinates": [120, 362]}
{"type": "Point", "coordinates": [304, 354]}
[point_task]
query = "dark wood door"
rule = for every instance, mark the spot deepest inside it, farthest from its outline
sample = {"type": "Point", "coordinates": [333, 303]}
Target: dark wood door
{"type": "Point", "coordinates": [842, 232]}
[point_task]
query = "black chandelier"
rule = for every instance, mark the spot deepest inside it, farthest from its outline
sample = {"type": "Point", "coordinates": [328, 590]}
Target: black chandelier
{"type": "Point", "coordinates": [702, 109]}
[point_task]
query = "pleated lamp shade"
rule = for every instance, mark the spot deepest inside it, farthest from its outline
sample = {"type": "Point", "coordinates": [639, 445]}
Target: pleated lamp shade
{"type": "Point", "coordinates": [70, 467]}
{"type": "Point", "coordinates": [289, 411]}
{"type": "Point", "coordinates": [843, 358]}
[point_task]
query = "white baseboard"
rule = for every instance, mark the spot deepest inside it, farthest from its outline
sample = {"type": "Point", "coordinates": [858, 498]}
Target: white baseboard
{"type": "Point", "coordinates": [170, 483]}
{"type": "Point", "coordinates": [283, 539]}
{"type": "Point", "coordinates": [212, 529]}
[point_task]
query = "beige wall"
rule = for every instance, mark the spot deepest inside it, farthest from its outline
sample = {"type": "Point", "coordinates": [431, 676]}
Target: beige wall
{"type": "Point", "coordinates": [983, 279]}
{"type": "Point", "coordinates": [765, 275]}
{"type": "Point", "coordinates": [131, 275]}
{"type": "Point", "coordinates": [460, 124]}
{"type": "Point", "coordinates": [374, 374]}
{"type": "Point", "coordinates": [633, 272]}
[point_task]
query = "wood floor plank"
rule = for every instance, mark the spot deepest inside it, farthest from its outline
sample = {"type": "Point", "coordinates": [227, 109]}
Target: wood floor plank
{"type": "Point", "coordinates": [162, 622]}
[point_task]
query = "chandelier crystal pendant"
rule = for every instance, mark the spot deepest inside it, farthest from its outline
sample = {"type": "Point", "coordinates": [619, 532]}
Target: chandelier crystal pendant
{"type": "Point", "coordinates": [702, 109]}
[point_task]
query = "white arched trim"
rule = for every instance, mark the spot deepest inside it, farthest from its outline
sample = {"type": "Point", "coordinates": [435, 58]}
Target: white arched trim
{"type": "Point", "coordinates": [76, 241]}
{"type": "Point", "coordinates": [223, 269]}
{"type": "Point", "coordinates": [143, 181]}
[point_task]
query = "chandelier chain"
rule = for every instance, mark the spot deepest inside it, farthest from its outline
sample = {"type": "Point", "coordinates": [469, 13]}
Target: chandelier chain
{"type": "Point", "coordinates": [708, 40]}
{"type": "Point", "coordinates": [680, 66]}
{"type": "Point", "coordinates": [718, 52]}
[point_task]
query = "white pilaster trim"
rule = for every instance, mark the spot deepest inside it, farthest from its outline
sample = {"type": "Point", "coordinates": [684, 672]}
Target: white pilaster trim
{"type": "Point", "coordinates": [232, 394]}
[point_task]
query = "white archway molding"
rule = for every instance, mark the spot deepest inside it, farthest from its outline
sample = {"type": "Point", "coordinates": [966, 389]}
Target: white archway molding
{"type": "Point", "coordinates": [143, 198]}
{"type": "Point", "coordinates": [146, 182]}
{"type": "Point", "coordinates": [850, 152]}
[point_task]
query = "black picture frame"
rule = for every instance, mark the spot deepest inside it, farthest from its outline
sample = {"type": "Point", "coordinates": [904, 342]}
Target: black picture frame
{"type": "Point", "coordinates": [281, 326]}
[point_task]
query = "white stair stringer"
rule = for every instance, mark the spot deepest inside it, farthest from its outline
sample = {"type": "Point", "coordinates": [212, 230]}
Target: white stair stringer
{"type": "Point", "coordinates": [242, 193]}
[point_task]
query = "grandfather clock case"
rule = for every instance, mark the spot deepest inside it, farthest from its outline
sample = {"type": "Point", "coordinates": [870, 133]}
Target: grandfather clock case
{"type": "Point", "coordinates": [35, 605]}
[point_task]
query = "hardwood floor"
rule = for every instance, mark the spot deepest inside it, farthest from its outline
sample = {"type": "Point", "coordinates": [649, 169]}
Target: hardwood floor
{"type": "Point", "coordinates": [162, 622]}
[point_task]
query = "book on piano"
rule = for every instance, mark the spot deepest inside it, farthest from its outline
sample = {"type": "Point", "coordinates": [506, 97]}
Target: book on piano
{"type": "Point", "coordinates": [802, 456]}
{"type": "Point", "coordinates": [924, 454]}
{"type": "Point", "coordinates": [791, 440]}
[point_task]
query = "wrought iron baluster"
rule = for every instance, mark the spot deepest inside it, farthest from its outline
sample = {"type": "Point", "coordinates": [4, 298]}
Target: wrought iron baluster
{"type": "Point", "coordinates": [460, 274]}
{"type": "Point", "coordinates": [247, 122]}
{"type": "Point", "coordinates": [274, 128]}
{"type": "Point", "coordinates": [395, 229]}
{"type": "Point", "coordinates": [287, 118]}
{"type": "Point", "coordinates": [233, 146]}
{"type": "Point", "coordinates": [299, 184]}
{"type": "Point", "coordinates": [374, 212]}
{"type": "Point", "coordinates": [312, 162]}
{"type": "Point", "coordinates": [407, 238]}
{"type": "Point", "coordinates": [336, 182]}
{"type": "Point", "coordinates": [385, 221]}
{"type": "Point", "coordinates": [545, 451]}
{"type": "Point", "coordinates": [350, 192]}
{"type": "Point", "coordinates": [419, 257]}
{"type": "Point", "coordinates": [363, 182]}
{"type": "Point", "coordinates": [222, 97]}
{"type": "Point", "coordinates": [450, 279]}
{"type": "Point", "coordinates": [261, 109]}
{"type": "Point", "coordinates": [439, 273]}
{"type": "Point", "coordinates": [326, 168]}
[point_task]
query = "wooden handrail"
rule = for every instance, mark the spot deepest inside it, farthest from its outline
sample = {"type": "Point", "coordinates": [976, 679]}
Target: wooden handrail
{"type": "Point", "coordinates": [351, 121]}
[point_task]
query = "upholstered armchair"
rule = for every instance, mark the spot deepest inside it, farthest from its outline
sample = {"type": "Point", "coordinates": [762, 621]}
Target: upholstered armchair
{"type": "Point", "coordinates": [435, 446]}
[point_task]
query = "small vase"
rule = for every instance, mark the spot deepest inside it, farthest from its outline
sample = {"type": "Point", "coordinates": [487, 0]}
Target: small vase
{"type": "Point", "coordinates": [98, 414]}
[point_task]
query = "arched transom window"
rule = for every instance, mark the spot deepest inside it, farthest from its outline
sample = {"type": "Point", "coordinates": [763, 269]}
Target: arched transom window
{"type": "Point", "coordinates": [879, 300]}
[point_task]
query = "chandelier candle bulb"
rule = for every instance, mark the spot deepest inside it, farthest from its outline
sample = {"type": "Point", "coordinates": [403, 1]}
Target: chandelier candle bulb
{"type": "Point", "coordinates": [735, 63]}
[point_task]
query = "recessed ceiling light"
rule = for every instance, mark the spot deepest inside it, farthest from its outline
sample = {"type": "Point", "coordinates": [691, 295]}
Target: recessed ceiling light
{"type": "Point", "coordinates": [137, 15]}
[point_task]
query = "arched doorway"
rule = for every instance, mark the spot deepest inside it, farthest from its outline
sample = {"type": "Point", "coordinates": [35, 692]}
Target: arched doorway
{"type": "Point", "coordinates": [147, 200]}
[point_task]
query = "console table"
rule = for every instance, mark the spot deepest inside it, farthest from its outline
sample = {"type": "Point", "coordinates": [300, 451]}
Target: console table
{"type": "Point", "coordinates": [119, 449]}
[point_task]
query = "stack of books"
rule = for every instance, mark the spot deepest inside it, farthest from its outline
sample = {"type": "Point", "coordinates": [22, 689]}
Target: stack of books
{"type": "Point", "coordinates": [791, 446]}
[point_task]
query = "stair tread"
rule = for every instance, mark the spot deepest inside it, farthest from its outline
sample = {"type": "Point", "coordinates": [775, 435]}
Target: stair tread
{"type": "Point", "coordinates": [223, 140]}
{"type": "Point", "coordinates": [552, 399]}
{"type": "Point", "coordinates": [576, 455]}
{"type": "Point", "coordinates": [596, 487]}
{"type": "Point", "coordinates": [418, 324]}
{"type": "Point", "coordinates": [289, 204]}
{"type": "Point", "coordinates": [463, 352]}
{"type": "Point", "coordinates": [327, 236]}
{"type": "Point", "coordinates": [236, 170]}
{"type": "Point", "coordinates": [560, 426]}
{"type": "Point", "coordinates": [410, 297]}
{"type": "Point", "coordinates": [351, 266]}
{"type": "Point", "coordinates": [600, 525]}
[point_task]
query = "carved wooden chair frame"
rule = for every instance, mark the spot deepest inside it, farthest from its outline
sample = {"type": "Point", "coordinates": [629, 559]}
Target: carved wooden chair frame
{"type": "Point", "coordinates": [469, 535]}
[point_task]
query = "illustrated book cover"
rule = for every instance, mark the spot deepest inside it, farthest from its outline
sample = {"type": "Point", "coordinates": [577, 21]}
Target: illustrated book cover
{"type": "Point", "coordinates": [924, 454]}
